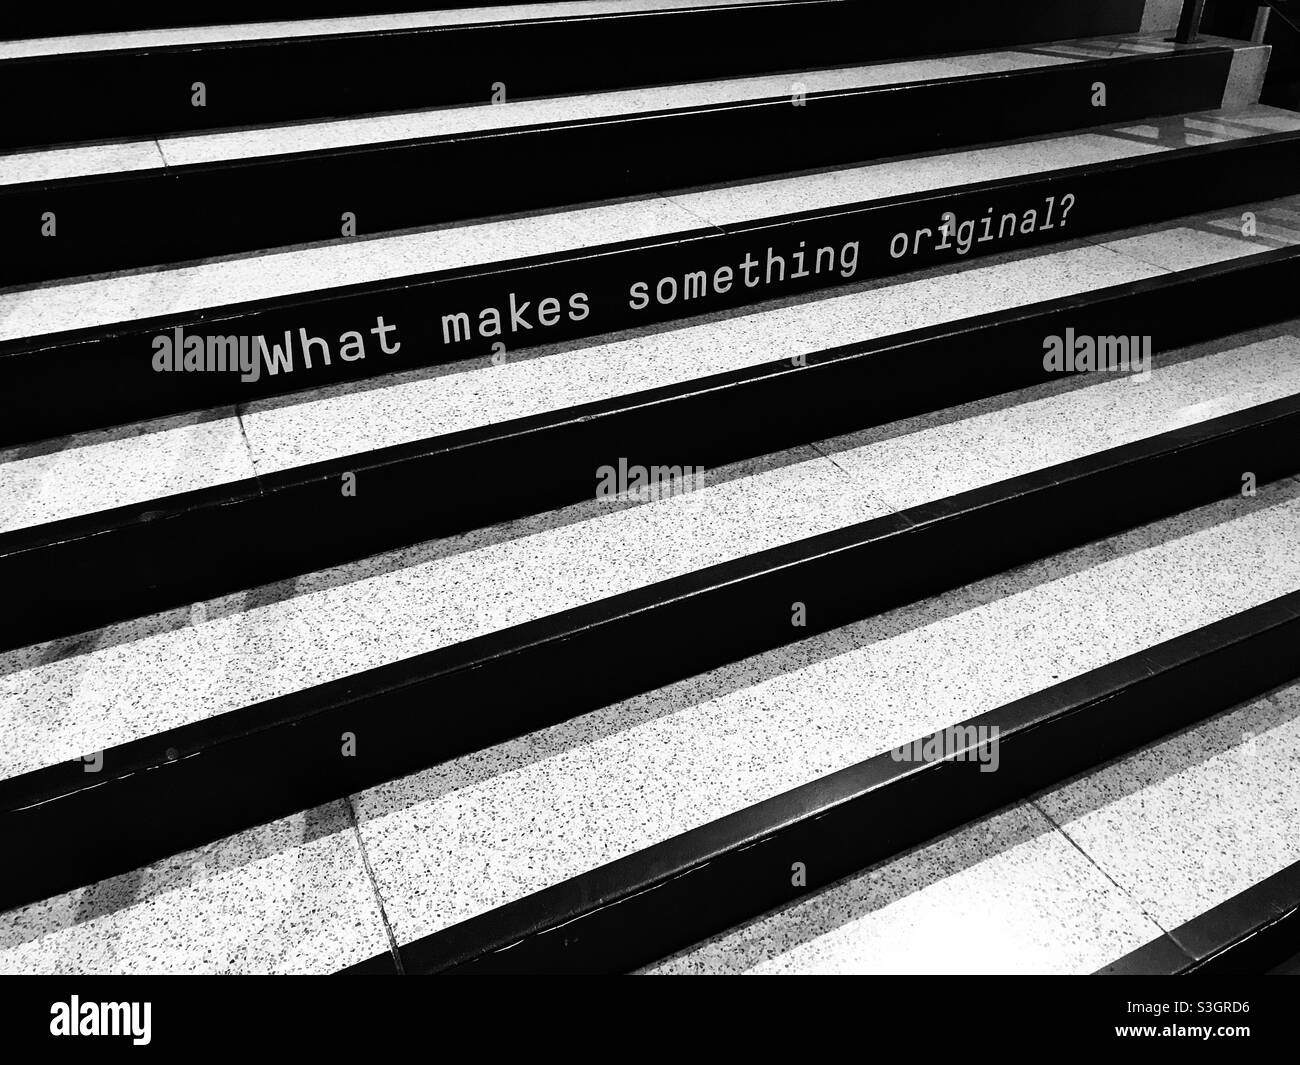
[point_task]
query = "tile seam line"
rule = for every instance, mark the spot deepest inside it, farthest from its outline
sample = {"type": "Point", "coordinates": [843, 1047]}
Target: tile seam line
{"type": "Point", "coordinates": [248, 447]}
{"type": "Point", "coordinates": [888, 504]}
{"type": "Point", "coordinates": [1034, 802]}
{"type": "Point", "coordinates": [374, 884]}
{"type": "Point", "coordinates": [1099, 241]}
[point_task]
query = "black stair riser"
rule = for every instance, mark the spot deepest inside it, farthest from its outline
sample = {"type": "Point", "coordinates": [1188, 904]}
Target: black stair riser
{"type": "Point", "coordinates": [147, 92]}
{"type": "Point", "coordinates": [661, 900]}
{"type": "Point", "coordinates": [59, 383]}
{"type": "Point", "coordinates": [72, 575]}
{"type": "Point", "coordinates": [114, 222]}
{"type": "Point", "coordinates": [253, 765]}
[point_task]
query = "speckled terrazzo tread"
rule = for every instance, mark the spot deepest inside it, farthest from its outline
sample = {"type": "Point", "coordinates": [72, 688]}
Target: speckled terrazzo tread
{"type": "Point", "coordinates": [264, 23]}
{"type": "Point", "coordinates": [187, 212]}
{"type": "Point", "coordinates": [285, 750]}
{"type": "Point", "coordinates": [295, 75]}
{"type": "Point", "coordinates": [604, 548]}
{"type": "Point", "coordinates": [1207, 850]}
{"type": "Point", "coordinates": [102, 470]}
{"type": "Point", "coordinates": [662, 899]}
{"type": "Point", "coordinates": [263, 900]}
{"type": "Point", "coordinates": [89, 562]}
{"type": "Point", "coordinates": [106, 371]}
{"type": "Point", "coordinates": [116, 302]}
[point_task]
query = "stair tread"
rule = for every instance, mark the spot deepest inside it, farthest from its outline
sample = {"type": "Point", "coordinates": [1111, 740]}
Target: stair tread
{"type": "Point", "coordinates": [52, 164]}
{"type": "Point", "coordinates": [139, 678]}
{"type": "Point", "coordinates": [98, 470]}
{"type": "Point", "coordinates": [1008, 894]}
{"type": "Point", "coordinates": [117, 300]}
{"type": "Point", "coordinates": [583, 733]}
{"type": "Point", "coordinates": [538, 809]}
{"type": "Point", "coordinates": [305, 27]}
{"type": "Point", "coordinates": [1205, 814]}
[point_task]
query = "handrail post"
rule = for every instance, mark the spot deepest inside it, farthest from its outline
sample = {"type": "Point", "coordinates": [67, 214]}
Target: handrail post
{"type": "Point", "coordinates": [1261, 24]}
{"type": "Point", "coordinates": [1189, 23]}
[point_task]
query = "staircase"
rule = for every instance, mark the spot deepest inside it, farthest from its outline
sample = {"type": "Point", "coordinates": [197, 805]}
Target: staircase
{"type": "Point", "coordinates": [678, 486]}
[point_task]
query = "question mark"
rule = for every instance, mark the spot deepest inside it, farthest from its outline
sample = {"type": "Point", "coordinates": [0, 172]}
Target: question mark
{"type": "Point", "coordinates": [1065, 208]}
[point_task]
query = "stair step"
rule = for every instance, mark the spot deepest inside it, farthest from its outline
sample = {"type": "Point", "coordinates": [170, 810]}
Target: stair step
{"type": "Point", "coordinates": [90, 538]}
{"type": "Point", "coordinates": [491, 828]}
{"type": "Point", "coordinates": [1154, 839]}
{"type": "Point", "coordinates": [604, 267]}
{"type": "Point", "coordinates": [259, 689]}
{"type": "Point", "coordinates": [264, 23]}
{"type": "Point", "coordinates": [677, 486]}
{"type": "Point", "coordinates": [188, 198]}
{"type": "Point", "coordinates": [320, 70]}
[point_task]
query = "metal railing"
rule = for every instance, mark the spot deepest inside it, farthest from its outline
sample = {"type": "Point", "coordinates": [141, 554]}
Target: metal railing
{"type": "Point", "coordinates": [1189, 22]}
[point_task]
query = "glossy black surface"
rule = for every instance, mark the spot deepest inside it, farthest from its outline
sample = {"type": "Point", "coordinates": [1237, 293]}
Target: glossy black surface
{"type": "Point", "coordinates": [186, 786]}
{"type": "Point", "coordinates": [117, 221]}
{"type": "Point", "coordinates": [148, 91]}
{"type": "Point", "coordinates": [74, 574]}
{"type": "Point", "coordinates": [60, 383]}
{"type": "Point", "coordinates": [661, 899]}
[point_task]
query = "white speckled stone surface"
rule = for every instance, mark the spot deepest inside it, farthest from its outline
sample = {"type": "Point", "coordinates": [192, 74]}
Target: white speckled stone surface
{"type": "Point", "coordinates": [734, 204]}
{"type": "Point", "coordinates": [730, 205]}
{"type": "Point", "coordinates": [1184, 248]}
{"type": "Point", "coordinates": [270, 140]}
{"type": "Point", "coordinates": [95, 470]}
{"type": "Point", "coordinates": [255, 31]}
{"type": "Point", "coordinates": [125, 297]}
{"type": "Point", "coordinates": [311, 427]}
{"type": "Point", "coordinates": [87, 693]}
{"type": "Point", "coordinates": [1007, 894]}
{"type": "Point", "coordinates": [317, 425]}
{"type": "Point", "coordinates": [102, 301]}
{"type": "Point", "coordinates": [110, 468]}
{"type": "Point", "coordinates": [289, 897]}
{"type": "Point", "coordinates": [1190, 821]}
{"type": "Point", "coordinates": [479, 831]}
{"type": "Point", "coordinates": [59, 702]}
{"type": "Point", "coordinates": [1102, 411]}
{"type": "Point", "coordinates": [81, 160]}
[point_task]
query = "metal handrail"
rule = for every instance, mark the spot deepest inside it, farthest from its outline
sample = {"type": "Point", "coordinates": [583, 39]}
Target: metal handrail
{"type": "Point", "coordinates": [1189, 22]}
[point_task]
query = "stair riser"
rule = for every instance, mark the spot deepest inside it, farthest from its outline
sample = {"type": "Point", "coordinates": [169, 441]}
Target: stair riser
{"type": "Point", "coordinates": [259, 763]}
{"type": "Point", "coordinates": [77, 574]}
{"type": "Point", "coordinates": [147, 92]}
{"type": "Point", "coordinates": [151, 217]}
{"type": "Point", "coordinates": [731, 871]}
{"type": "Point", "coordinates": [62, 383]}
